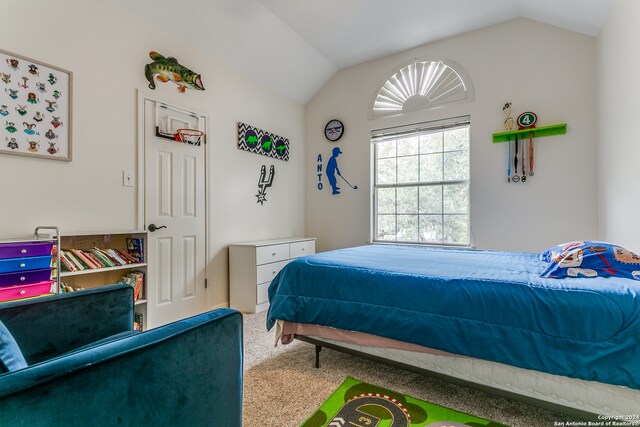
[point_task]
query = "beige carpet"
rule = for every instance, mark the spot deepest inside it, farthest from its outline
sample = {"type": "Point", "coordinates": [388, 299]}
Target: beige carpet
{"type": "Point", "coordinates": [282, 387]}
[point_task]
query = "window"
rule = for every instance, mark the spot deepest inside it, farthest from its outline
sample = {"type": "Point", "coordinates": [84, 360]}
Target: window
{"type": "Point", "coordinates": [421, 184]}
{"type": "Point", "coordinates": [422, 83]}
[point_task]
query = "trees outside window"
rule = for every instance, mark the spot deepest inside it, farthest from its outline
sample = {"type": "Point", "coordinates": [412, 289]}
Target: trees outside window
{"type": "Point", "coordinates": [421, 186]}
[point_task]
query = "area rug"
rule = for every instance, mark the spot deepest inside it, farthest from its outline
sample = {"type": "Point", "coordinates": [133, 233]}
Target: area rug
{"type": "Point", "coordinates": [358, 404]}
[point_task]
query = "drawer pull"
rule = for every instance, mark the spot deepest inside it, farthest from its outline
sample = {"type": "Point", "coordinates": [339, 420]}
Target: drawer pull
{"type": "Point", "coordinates": [23, 265]}
{"type": "Point", "coordinates": [24, 251]}
{"type": "Point", "coordinates": [302, 249]}
{"type": "Point", "coordinates": [22, 292]}
{"type": "Point", "coordinates": [273, 254]}
{"type": "Point", "coordinates": [273, 272]}
{"type": "Point", "coordinates": [22, 279]}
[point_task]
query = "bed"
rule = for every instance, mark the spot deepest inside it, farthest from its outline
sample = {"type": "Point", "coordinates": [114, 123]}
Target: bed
{"type": "Point", "coordinates": [482, 317]}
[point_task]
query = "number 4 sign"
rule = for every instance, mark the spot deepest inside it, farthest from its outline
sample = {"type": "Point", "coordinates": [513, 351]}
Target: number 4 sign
{"type": "Point", "coordinates": [527, 120]}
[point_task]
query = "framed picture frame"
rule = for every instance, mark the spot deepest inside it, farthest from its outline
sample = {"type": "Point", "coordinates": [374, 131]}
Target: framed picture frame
{"type": "Point", "coordinates": [35, 108]}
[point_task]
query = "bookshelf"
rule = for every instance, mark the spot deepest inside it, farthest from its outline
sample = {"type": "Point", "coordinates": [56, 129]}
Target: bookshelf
{"type": "Point", "coordinates": [96, 277]}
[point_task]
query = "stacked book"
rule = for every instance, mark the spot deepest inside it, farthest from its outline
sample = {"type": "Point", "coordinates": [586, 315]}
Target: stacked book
{"type": "Point", "coordinates": [135, 279]}
{"type": "Point", "coordinates": [78, 260]}
{"type": "Point", "coordinates": [138, 322]}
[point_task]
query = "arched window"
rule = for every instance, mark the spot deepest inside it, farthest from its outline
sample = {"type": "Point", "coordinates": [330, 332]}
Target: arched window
{"type": "Point", "coordinates": [422, 83]}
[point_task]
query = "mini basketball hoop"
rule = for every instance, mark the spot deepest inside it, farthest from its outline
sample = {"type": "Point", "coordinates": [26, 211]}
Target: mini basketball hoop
{"type": "Point", "coordinates": [189, 136]}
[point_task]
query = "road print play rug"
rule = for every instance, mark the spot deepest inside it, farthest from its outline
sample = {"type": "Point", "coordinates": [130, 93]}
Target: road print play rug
{"type": "Point", "coordinates": [358, 404]}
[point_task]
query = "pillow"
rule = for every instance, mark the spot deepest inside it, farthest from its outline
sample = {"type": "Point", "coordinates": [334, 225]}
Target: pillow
{"type": "Point", "coordinates": [590, 259]}
{"type": "Point", "coordinates": [554, 251]}
{"type": "Point", "coordinates": [11, 358]}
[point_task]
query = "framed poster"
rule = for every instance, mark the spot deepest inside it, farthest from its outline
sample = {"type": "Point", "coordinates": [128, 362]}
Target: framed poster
{"type": "Point", "coordinates": [35, 108]}
{"type": "Point", "coordinates": [261, 142]}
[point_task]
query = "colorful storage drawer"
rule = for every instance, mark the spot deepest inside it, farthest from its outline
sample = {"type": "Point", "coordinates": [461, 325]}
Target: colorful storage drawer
{"type": "Point", "coordinates": [25, 269]}
{"type": "Point", "coordinates": [25, 291]}
{"type": "Point", "coordinates": [25, 277]}
{"type": "Point", "coordinates": [23, 264]}
{"type": "Point", "coordinates": [25, 249]}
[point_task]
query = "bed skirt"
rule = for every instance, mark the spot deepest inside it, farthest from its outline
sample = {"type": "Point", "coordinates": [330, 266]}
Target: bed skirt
{"type": "Point", "coordinates": [569, 395]}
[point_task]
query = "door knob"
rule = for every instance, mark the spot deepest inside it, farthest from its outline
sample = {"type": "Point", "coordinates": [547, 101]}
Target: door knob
{"type": "Point", "coordinates": [153, 227]}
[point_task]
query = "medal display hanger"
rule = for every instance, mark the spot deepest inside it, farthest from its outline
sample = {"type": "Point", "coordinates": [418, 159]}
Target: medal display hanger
{"type": "Point", "coordinates": [522, 154]}
{"type": "Point", "coordinates": [537, 132]}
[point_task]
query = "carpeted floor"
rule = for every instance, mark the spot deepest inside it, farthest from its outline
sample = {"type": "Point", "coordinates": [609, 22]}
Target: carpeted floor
{"type": "Point", "coordinates": [282, 387]}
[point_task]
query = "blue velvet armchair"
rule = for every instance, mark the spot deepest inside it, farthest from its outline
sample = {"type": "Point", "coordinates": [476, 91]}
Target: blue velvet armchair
{"type": "Point", "coordinates": [88, 368]}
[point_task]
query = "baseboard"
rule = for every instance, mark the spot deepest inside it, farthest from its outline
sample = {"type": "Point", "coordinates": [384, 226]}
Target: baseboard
{"type": "Point", "coordinates": [223, 305]}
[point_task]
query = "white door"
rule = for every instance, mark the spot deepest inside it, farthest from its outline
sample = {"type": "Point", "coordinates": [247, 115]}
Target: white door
{"type": "Point", "coordinates": [175, 202]}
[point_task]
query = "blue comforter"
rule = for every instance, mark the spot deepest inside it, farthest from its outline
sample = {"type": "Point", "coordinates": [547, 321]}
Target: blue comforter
{"type": "Point", "coordinates": [484, 304]}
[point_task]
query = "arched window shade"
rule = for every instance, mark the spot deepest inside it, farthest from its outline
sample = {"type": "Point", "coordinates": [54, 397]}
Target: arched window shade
{"type": "Point", "coordinates": [423, 83]}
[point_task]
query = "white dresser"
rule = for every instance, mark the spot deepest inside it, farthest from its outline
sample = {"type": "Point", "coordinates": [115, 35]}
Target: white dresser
{"type": "Point", "coordinates": [252, 266]}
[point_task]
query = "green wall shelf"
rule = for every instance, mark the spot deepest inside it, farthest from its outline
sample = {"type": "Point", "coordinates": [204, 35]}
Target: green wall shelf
{"type": "Point", "coordinates": [537, 132]}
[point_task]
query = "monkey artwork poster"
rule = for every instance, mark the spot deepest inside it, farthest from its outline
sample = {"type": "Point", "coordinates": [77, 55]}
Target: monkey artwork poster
{"type": "Point", "coordinates": [35, 108]}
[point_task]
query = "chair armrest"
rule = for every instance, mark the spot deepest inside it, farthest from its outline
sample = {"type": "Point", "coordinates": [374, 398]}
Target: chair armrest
{"type": "Point", "coordinates": [49, 326]}
{"type": "Point", "coordinates": [188, 373]}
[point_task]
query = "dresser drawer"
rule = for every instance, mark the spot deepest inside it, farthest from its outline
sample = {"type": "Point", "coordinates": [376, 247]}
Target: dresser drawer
{"type": "Point", "coordinates": [263, 293]}
{"type": "Point", "coordinates": [25, 249]}
{"type": "Point", "coordinates": [25, 277]}
{"type": "Point", "coordinates": [298, 249]}
{"type": "Point", "coordinates": [271, 253]}
{"type": "Point", "coordinates": [23, 264]}
{"type": "Point", "coordinates": [25, 291]}
{"type": "Point", "coordinates": [253, 265]}
{"type": "Point", "coordinates": [266, 272]}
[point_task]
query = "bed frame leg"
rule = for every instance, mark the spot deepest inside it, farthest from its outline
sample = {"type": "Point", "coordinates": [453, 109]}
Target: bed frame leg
{"type": "Point", "coordinates": [318, 350]}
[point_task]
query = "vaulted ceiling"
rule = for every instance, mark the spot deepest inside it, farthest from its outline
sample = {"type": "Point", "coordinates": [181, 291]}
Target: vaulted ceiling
{"type": "Point", "coordinates": [295, 46]}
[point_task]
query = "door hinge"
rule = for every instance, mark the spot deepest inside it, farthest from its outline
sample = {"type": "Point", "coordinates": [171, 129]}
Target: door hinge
{"type": "Point", "coordinates": [205, 283]}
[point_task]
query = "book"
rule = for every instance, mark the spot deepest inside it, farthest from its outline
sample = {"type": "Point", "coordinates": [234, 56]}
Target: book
{"type": "Point", "coordinates": [72, 258]}
{"type": "Point", "coordinates": [135, 279]}
{"type": "Point", "coordinates": [125, 255]}
{"type": "Point", "coordinates": [102, 257]}
{"type": "Point", "coordinates": [94, 259]}
{"type": "Point", "coordinates": [106, 254]}
{"type": "Point", "coordinates": [128, 280]}
{"type": "Point", "coordinates": [135, 248]}
{"type": "Point", "coordinates": [66, 264]}
{"type": "Point", "coordinates": [137, 290]}
{"type": "Point", "coordinates": [84, 259]}
{"type": "Point", "coordinates": [117, 257]}
{"type": "Point", "coordinates": [138, 322]}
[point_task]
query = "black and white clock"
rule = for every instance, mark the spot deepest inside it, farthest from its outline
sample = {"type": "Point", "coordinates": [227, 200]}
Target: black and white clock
{"type": "Point", "coordinates": [334, 130]}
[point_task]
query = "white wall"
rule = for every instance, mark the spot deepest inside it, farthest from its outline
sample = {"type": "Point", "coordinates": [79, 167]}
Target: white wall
{"type": "Point", "coordinates": [618, 146]}
{"type": "Point", "coordinates": [537, 67]}
{"type": "Point", "coordinates": [106, 49]}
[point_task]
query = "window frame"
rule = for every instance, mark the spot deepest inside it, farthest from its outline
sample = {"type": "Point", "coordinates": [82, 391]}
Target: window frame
{"type": "Point", "coordinates": [418, 129]}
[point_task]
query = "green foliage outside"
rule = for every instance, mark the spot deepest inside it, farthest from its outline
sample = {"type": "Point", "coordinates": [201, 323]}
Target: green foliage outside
{"type": "Point", "coordinates": [432, 205]}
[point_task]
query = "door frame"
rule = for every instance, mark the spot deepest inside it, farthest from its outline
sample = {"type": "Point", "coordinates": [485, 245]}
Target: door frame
{"type": "Point", "coordinates": [141, 186]}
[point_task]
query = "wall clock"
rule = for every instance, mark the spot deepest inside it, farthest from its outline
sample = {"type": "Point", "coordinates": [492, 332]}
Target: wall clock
{"type": "Point", "coordinates": [334, 130]}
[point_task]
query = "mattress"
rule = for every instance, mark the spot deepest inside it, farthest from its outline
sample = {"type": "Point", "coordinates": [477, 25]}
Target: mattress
{"type": "Point", "coordinates": [483, 304]}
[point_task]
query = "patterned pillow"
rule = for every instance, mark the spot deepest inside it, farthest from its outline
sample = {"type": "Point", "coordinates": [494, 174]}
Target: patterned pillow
{"type": "Point", "coordinates": [590, 259]}
{"type": "Point", "coordinates": [558, 249]}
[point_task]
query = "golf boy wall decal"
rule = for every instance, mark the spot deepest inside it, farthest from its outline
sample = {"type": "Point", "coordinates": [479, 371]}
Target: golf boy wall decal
{"type": "Point", "coordinates": [331, 171]}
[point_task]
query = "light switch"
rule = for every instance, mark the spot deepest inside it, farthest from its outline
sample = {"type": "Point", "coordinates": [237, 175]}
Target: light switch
{"type": "Point", "coordinates": [127, 179]}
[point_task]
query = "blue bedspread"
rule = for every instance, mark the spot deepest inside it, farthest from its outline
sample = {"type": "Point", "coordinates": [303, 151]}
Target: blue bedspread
{"type": "Point", "coordinates": [484, 304]}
